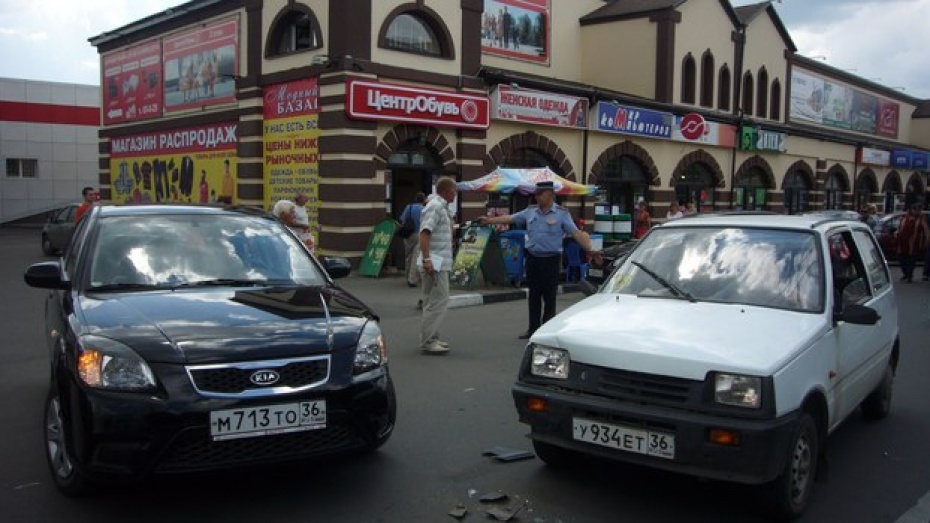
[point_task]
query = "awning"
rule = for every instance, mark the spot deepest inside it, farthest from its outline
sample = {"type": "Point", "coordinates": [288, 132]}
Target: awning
{"type": "Point", "coordinates": [524, 181]}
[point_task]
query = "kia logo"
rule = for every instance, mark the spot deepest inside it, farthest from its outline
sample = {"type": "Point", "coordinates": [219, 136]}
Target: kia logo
{"type": "Point", "coordinates": [265, 377]}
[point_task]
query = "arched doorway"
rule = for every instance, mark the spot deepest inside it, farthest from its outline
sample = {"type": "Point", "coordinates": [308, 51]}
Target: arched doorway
{"type": "Point", "coordinates": [750, 191]}
{"type": "Point", "coordinates": [623, 182]}
{"type": "Point", "coordinates": [797, 188]}
{"type": "Point", "coordinates": [914, 191]}
{"type": "Point", "coordinates": [696, 184]}
{"type": "Point", "coordinates": [892, 193]}
{"type": "Point", "coordinates": [413, 168]}
{"type": "Point", "coordinates": [866, 186]}
{"type": "Point", "coordinates": [833, 191]}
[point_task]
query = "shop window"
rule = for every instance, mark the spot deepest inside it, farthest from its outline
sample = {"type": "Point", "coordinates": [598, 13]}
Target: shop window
{"type": "Point", "coordinates": [295, 30]}
{"type": "Point", "coordinates": [723, 92]}
{"type": "Point", "coordinates": [797, 193]}
{"type": "Point", "coordinates": [750, 192]}
{"type": "Point", "coordinates": [707, 79]}
{"type": "Point", "coordinates": [747, 94]}
{"type": "Point", "coordinates": [762, 97]}
{"type": "Point", "coordinates": [416, 31]}
{"type": "Point", "coordinates": [833, 193]}
{"type": "Point", "coordinates": [22, 168]}
{"type": "Point", "coordinates": [623, 183]}
{"type": "Point", "coordinates": [696, 184]}
{"type": "Point", "coordinates": [688, 79]}
{"type": "Point", "coordinates": [776, 100]}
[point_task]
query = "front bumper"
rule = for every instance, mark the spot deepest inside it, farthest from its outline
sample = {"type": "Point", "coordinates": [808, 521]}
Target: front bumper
{"type": "Point", "coordinates": [759, 457]}
{"type": "Point", "coordinates": [119, 435]}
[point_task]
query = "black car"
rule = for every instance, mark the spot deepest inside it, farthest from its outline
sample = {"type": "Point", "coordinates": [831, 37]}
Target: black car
{"type": "Point", "coordinates": [57, 231]}
{"type": "Point", "coordinates": [185, 339]}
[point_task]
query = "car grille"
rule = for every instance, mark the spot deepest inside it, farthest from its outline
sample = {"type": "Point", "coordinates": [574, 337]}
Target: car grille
{"type": "Point", "coordinates": [195, 451]}
{"type": "Point", "coordinates": [636, 387]}
{"type": "Point", "coordinates": [234, 379]}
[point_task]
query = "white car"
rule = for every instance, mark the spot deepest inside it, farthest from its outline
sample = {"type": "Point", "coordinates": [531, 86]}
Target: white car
{"type": "Point", "coordinates": [725, 346]}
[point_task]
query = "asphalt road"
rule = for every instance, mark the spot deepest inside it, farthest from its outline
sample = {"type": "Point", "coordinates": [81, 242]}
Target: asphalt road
{"type": "Point", "coordinates": [451, 409]}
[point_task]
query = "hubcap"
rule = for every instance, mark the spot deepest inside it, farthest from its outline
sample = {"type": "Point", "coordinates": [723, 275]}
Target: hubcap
{"type": "Point", "coordinates": [801, 461]}
{"type": "Point", "coordinates": [55, 440]}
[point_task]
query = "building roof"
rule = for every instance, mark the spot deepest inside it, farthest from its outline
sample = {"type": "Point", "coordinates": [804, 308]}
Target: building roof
{"type": "Point", "coordinates": [618, 9]}
{"type": "Point", "coordinates": [923, 110]}
{"type": "Point", "coordinates": [748, 13]}
{"type": "Point", "coordinates": [168, 14]}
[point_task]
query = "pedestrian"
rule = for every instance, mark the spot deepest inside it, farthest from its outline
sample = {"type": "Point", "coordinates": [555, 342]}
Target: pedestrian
{"type": "Point", "coordinates": [674, 211]}
{"type": "Point", "coordinates": [286, 211]}
{"type": "Point", "coordinates": [546, 225]}
{"type": "Point", "coordinates": [412, 213]}
{"type": "Point", "coordinates": [642, 221]}
{"type": "Point", "coordinates": [435, 259]}
{"type": "Point", "coordinates": [869, 216]}
{"type": "Point", "coordinates": [689, 208]}
{"type": "Point", "coordinates": [302, 219]}
{"type": "Point", "coordinates": [911, 240]}
{"type": "Point", "coordinates": [89, 198]}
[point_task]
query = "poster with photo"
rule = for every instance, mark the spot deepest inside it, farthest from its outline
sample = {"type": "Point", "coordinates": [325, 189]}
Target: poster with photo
{"type": "Point", "coordinates": [518, 29]}
{"type": "Point", "coordinates": [863, 113]}
{"type": "Point", "coordinates": [888, 118]}
{"type": "Point", "coordinates": [132, 87]}
{"type": "Point", "coordinates": [201, 66]}
{"type": "Point", "coordinates": [837, 101]}
{"type": "Point", "coordinates": [806, 97]}
{"type": "Point", "coordinates": [189, 165]}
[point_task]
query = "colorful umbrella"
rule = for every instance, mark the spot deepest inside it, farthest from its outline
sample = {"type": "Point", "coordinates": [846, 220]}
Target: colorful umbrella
{"type": "Point", "coordinates": [524, 181]}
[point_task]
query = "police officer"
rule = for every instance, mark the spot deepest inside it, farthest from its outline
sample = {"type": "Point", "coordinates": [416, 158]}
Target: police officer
{"type": "Point", "coordinates": [546, 225]}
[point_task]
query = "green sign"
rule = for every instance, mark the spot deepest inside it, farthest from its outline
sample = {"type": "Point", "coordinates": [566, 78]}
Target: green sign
{"type": "Point", "coordinates": [479, 249]}
{"type": "Point", "coordinates": [378, 246]}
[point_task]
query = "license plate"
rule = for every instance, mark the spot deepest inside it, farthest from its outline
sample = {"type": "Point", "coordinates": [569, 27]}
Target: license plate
{"type": "Point", "coordinates": [597, 273]}
{"type": "Point", "coordinates": [629, 439]}
{"type": "Point", "coordinates": [270, 419]}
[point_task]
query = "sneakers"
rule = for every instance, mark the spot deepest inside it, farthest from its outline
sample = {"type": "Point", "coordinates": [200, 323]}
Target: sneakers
{"type": "Point", "coordinates": [439, 342]}
{"type": "Point", "coordinates": [435, 347]}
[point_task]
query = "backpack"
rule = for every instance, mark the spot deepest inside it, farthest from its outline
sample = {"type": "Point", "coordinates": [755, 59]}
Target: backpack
{"type": "Point", "coordinates": [406, 228]}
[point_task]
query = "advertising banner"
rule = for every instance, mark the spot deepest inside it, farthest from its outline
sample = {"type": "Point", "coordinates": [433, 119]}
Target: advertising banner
{"type": "Point", "coordinates": [920, 161]}
{"type": "Point", "coordinates": [806, 97]}
{"type": "Point", "coordinates": [189, 165]}
{"type": "Point", "coordinates": [818, 101]}
{"type": "Point", "coordinates": [837, 100]}
{"type": "Point", "coordinates": [517, 29]}
{"type": "Point", "coordinates": [132, 87]}
{"type": "Point", "coordinates": [539, 107]}
{"type": "Point", "coordinates": [615, 118]}
{"type": "Point", "coordinates": [201, 66]}
{"type": "Point", "coordinates": [863, 114]}
{"type": "Point", "coordinates": [378, 244]}
{"type": "Point", "coordinates": [888, 117]}
{"type": "Point", "coordinates": [401, 103]}
{"type": "Point", "coordinates": [901, 159]}
{"type": "Point", "coordinates": [291, 150]}
{"type": "Point", "coordinates": [874, 156]}
{"type": "Point", "coordinates": [693, 128]}
{"type": "Point", "coordinates": [758, 139]}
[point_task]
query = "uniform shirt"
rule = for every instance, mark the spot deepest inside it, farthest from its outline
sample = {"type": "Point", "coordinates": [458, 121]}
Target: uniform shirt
{"type": "Point", "coordinates": [545, 231]}
{"type": "Point", "coordinates": [437, 219]}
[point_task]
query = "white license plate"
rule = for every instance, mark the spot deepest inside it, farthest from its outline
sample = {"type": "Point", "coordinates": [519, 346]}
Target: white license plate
{"type": "Point", "coordinates": [597, 273]}
{"type": "Point", "coordinates": [659, 444]}
{"type": "Point", "coordinates": [270, 419]}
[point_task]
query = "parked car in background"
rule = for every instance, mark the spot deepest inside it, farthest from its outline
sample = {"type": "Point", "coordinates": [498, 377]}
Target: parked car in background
{"type": "Point", "coordinates": [56, 234]}
{"type": "Point", "coordinates": [723, 346]}
{"type": "Point", "coordinates": [185, 338]}
{"type": "Point", "coordinates": [885, 232]}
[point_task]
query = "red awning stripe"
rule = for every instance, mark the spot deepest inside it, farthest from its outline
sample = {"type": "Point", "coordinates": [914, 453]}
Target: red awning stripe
{"type": "Point", "coordinates": [49, 113]}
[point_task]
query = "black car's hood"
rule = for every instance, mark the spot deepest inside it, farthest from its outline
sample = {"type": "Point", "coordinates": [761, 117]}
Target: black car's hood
{"type": "Point", "coordinates": [208, 325]}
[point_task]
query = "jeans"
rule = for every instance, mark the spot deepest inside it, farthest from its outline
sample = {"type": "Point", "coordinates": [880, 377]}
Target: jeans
{"type": "Point", "coordinates": [542, 278]}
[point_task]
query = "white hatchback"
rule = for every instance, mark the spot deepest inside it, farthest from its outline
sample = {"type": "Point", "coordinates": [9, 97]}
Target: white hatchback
{"type": "Point", "coordinates": [725, 346]}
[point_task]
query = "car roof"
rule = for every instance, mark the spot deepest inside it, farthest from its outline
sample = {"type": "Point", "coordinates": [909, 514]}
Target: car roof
{"type": "Point", "coordinates": [199, 209]}
{"type": "Point", "coordinates": [763, 220]}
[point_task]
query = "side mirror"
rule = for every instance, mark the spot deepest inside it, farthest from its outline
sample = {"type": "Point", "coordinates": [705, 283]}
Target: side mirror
{"type": "Point", "coordinates": [858, 315]}
{"type": "Point", "coordinates": [46, 275]}
{"type": "Point", "coordinates": [336, 267]}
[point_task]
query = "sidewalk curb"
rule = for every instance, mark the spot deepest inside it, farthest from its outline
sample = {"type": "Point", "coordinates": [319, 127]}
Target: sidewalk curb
{"type": "Point", "coordinates": [478, 298]}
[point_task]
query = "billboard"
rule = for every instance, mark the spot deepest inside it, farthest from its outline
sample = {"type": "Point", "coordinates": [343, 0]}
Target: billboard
{"type": "Point", "coordinates": [822, 102]}
{"type": "Point", "coordinates": [132, 87]}
{"type": "Point", "coordinates": [518, 29]}
{"type": "Point", "coordinates": [201, 66]}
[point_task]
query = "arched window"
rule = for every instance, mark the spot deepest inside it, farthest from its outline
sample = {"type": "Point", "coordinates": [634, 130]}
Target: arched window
{"type": "Point", "coordinates": [833, 193]}
{"type": "Point", "coordinates": [797, 193]}
{"type": "Point", "coordinates": [625, 182]}
{"type": "Point", "coordinates": [751, 190]}
{"type": "Point", "coordinates": [723, 93]}
{"type": "Point", "coordinates": [776, 100]}
{"type": "Point", "coordinates": [762, 98]}
{"type": "Point", "coordinates": [747, 94]}
{"type": "Point", "coordinates": [688, 79]}
{"type": "Point", "coordinates": [696, 184]}
{"type": "Point", "coordinates": [416, 30]}
{"type": "Point", "coordinates": [294, 30]}
{"type": "Point", "coordinates": [707, 79]}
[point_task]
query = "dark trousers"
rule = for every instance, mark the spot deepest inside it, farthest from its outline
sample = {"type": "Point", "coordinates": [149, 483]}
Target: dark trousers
{"type": "Point", "coordinates": [908, 262]}
{"type": "Point", "coordinates": [542, 278]}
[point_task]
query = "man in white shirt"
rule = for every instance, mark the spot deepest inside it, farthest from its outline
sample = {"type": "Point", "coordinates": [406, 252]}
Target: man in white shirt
{"type": "Point", "coordinates": [436, 264]}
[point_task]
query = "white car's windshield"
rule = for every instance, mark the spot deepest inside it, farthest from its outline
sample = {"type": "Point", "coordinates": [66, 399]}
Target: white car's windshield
{"type": "Point", "coordinates": [197, 249]}
{"type": "Point", "coordinates": [763, 267]}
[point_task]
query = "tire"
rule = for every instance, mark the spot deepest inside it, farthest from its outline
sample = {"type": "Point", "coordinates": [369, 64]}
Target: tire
{"type": "Point", "coordinates": [67, 478]}
{"type": "Point", "coordinates": [47, 247]}
{"type": "Point", "coordinates": [792, 488]}
{"type": "Point", "coordinates": [554, 456]}
{"type": "Point", "coordinates": [877, 405]}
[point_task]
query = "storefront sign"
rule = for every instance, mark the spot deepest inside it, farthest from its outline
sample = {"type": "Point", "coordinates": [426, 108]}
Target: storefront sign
{"type": "Point", "coordinates": [378, 245]}
{"type": "Point", "coordinates": [901, 159]}
{"type": "Point", "coordinates": [756, 139]}
{"type": "Point", "coordinates": [693, 128]}
{"type": "Point", "coordinates": [189, 165]}
{"type": "Point", "coordinates": [401, 103]}
{"type": "Point", "coordinates": [291, 150]}
{"type": "Point", "coordinates": [132, 88]}
{"type": "Point", "coordinates": [201, 66]}
{"type": "Point", "coordinates": [920, 161]}
{"type": "Point", "coordinates": [615, 118]}
{"type": "Point", "coordinates": [874, 156]}
{"type": "Point", "coordinates": [539, 107]}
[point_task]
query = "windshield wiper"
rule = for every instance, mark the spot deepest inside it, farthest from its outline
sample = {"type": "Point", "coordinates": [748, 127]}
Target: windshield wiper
{"type": "Point", "coordinates": [225, 282]}
{"type": "Point", "coordinates": [676, 290]}
{"type": "Point", "coordinates": [124, 287]}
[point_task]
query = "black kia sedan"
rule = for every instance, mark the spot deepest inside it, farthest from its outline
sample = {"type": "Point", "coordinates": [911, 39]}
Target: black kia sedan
{"type": "Point", "coordinates": [186, 338]}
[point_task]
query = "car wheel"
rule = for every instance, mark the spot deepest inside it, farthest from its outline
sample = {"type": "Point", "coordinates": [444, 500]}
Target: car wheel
{"type": "Point", "coordinates": [553, 455]}
{"type": "Point", "coordinates": [67, 478]}
{"type": "Point", "coordinates": [877, 405]}
{"type": "Point", "coordinates": [47, 247]}
{"type": "Point", "coordinates": [792, 488]}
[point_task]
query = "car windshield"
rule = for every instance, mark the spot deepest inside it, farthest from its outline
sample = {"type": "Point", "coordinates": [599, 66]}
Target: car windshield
{"type": "Point", "coordinates": [752, 266]}
{"type": "Point", "coordinates": [185, 250]}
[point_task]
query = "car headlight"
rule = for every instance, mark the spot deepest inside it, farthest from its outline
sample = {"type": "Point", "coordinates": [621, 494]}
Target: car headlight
{"type": "Point", "coordinates": [371, 352]}
{"type": "Point", "coordinates": [549, 362]}
{"type": "Point", "coordinates": [738, 390]}
{"type": "Point", "coordinates": [103, 363]}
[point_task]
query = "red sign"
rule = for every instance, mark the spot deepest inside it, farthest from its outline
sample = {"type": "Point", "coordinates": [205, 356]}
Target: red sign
{"type": "Point", "coordinates": [216, 137]}
{"type": "Point", "coordinates": [693, 126]}
{"type": "Point", "coordinates": [540, 107]}
{"type": "Point", "coordinates": [132, 83]}
{"type": "Point", "coordinates": [201, 66]}
{"type": "Point", "coordinates": [887, 124]}
{"type": "Point", "coordinates": [401, 103]}
{"type": "Point", "coordinates": [298, 98]}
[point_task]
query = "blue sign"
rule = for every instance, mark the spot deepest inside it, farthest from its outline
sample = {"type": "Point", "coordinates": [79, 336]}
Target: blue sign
{"type": "Point", "coordinates": [920, 161]}
{"type": "Point", "coordinates": [614, 118]}
{"type": "Point", "coordinates": [901, 159]}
